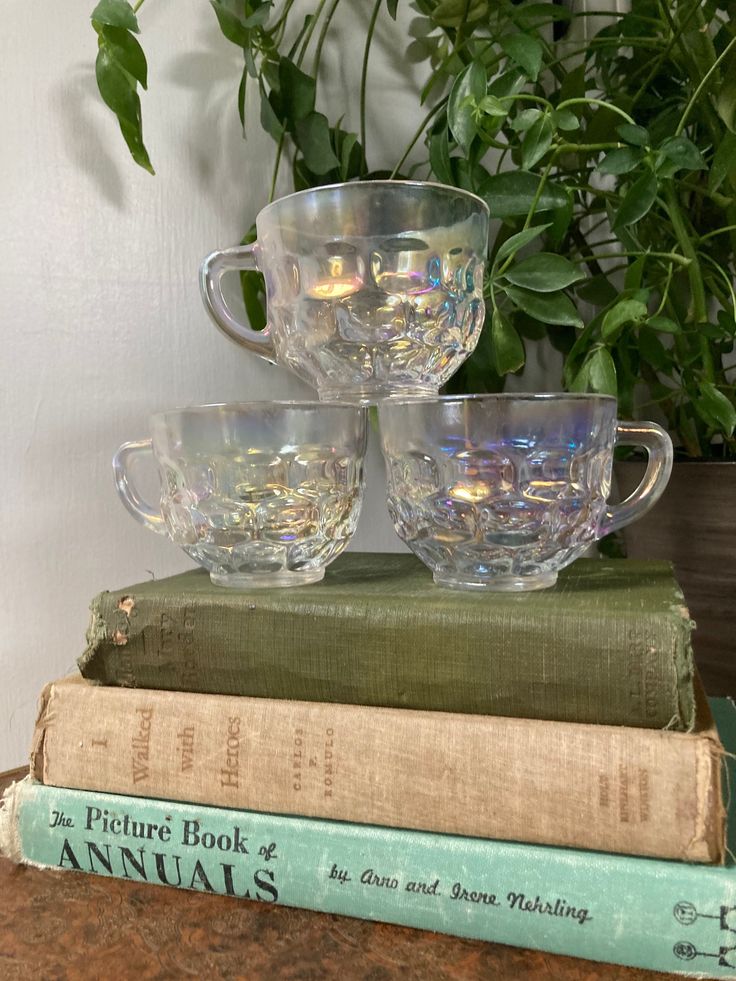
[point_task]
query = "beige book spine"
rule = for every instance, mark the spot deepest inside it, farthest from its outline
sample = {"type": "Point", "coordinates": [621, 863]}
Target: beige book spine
{"type": "Point", "coordinates": [611, 788]}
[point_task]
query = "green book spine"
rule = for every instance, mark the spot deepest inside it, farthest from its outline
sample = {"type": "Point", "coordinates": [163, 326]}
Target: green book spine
{"type": "Point", "coordinates": [665, 916]}
{"type": "Point", "coordinates": [609, 644]}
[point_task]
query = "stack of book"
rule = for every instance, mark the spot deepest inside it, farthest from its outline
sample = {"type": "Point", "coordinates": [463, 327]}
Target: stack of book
{"type": "Point", "coordinates": [541, 770]}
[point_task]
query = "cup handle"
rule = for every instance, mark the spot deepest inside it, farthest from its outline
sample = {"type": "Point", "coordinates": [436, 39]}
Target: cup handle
{"type": "Point", "coordinates": [210, 283]}
{"type": "Point", "coordinates": [148, 516]}
{"type": "Point", "coordinates": [659, 467]}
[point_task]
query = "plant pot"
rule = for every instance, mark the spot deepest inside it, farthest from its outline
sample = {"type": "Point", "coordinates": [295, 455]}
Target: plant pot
{"type": "Point", "coordinates": [694, 526]}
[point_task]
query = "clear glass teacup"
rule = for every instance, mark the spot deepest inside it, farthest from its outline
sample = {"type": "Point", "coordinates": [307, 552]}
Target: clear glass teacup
{"type": "Point", "coordinates": [259, 493]}
{"type": "Point", "coordinates": [502, 491]}
{"type": "Point", "coordinates": [374, 288]}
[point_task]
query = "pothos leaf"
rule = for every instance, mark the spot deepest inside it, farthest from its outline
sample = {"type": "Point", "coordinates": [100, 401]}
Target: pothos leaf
{"type": "Point", "coordinates": [116, 89]}
{"type": "Point", "coordinates": [544, 272]}
{"type": "Point", "coordinates": [508, 347]}
{"type": "Point", "coordinates": [116, 13]}
{"type": "Point", "coordinates": [134, 140]}
{"type": "Point", "coordinates": [125, 49]}
{"type": "Point", "coordinates": [253, 288]}
{"type": "Point", "coordinates": [550, 308]}
{"type": "Point", "coordinates": [715, 407]}
{"type": "Point", "coordinates": [525, 50]}
{"type": "Point", "coordinates": [439, 154]}
{"type": "Point", "coordinates": [597, 374]}
{"type": "Point", "coordinates": [231, 25]}
{"type": "Point", "coordinates": [621, 160]}
{"type": "Point", "coordinates": [537, 141]}
{"type": "Point", "coordinates": [637, 201]}
{"type": "Point", "coordinates": [518, 241]}
{"type": "Point", "coordinates": [119, 66]}
{"type": "Point", "coordinates": [469, 86]}
{"type": "Point", "coordinates": [297, 90]}
{"type": "Point", "coordinates": [624, 312]}
{"type": "Point", "coordinates": [513, 192]}
{"type": "Point", "coordinates": [313, 139]}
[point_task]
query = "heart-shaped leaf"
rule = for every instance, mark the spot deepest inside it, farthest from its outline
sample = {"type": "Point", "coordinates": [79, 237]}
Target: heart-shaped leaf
{"type": "Point", "coordinates": [297, 91]}
{"type": "Point", "coordinates": [313, 139]}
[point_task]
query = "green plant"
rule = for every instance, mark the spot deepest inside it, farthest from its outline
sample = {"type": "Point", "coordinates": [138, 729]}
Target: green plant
{"type": "Point", "coordinates": [610, 164]}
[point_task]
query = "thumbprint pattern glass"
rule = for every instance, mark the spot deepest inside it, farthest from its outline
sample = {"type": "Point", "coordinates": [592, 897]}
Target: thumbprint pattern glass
{"type": "Point", "coordinates": [259, 493]}
{"type": "Point", "coordinates": [502, 491]}
{"type": "Point", "coordinates": [374, 288]}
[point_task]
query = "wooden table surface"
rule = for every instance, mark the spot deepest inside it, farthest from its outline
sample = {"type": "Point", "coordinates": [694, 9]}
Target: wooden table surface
{"type": "Point", "coordinates": [65, 926]}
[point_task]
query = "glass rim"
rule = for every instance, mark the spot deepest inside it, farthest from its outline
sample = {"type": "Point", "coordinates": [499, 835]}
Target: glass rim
{"type": "Point", "coordinates": [209, 408]}
{"type": "Point", "coordinates": [500, 397]}
{"type": "Point", "coordinates": [384, 182]}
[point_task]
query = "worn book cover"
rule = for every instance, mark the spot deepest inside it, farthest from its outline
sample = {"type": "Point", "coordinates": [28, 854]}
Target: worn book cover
{"type": "Point", "coordinates": [609, 644]}
{"type": "Point", "coordinates": [662, 915]}
{"type": "Point", "coordinates": [614, 788]}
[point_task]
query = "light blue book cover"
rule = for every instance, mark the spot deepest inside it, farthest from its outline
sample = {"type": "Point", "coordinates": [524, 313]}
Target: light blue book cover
{"type": "Point", "coordinates": [662, 915]}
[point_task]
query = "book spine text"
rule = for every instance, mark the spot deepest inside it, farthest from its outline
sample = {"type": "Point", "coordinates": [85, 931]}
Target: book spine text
{"type": "Point", "coordinates": [610, 788]}
{"type": "Point", "coordinates": [664, 916]}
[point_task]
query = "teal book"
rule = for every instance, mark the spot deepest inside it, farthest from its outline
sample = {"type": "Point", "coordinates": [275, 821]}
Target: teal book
{"type": "Point", "coordinates": [661, 915]}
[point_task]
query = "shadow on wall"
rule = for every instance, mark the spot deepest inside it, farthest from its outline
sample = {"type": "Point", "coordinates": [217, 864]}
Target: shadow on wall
{"type": "Point", "coordinates": [77, 103]}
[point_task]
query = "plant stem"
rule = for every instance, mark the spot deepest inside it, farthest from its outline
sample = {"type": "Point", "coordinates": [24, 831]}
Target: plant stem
{"type": "Point", "coordinates": [310, 32]}
{"type": "Point", "coordinates": [299, 60]}
{"type": "Point", "coordinates": [532, 210]}
{"type": "Point", "coordinates": [597, 102]}
{"type": "Point", "coordinates": [458, 43]}
{"type": "Point", "coordinates": [717, 231]}
{"type": "Point", "coordinates": [672, 256]}
{"type": "Point", "coordinates": [364, 71]}
{"type": "Point", "coordinates": [665, 291]}
{"type": "Point", "coordinates": [275, 174]}
{"type": "Point", "coordinates": [659, 61]}
{"type": "Point", "coordinates": [586, 147]}
{"type": "Point", "coordinates": [284, 15]}
{"type": "Point", "coordinates": [419, 130]}
{"type": "Point", "coordinates": [695, 275]}
{"type": "Point", "coordinates": [703, 82]}
{"type": "Point", "coordinates": [321, 38]}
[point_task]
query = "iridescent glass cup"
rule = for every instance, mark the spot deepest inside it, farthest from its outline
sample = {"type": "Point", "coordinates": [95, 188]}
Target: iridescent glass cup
{"type": "Point", "coordinates": [374, 288]}
{"type": "Point", "coordinates": [502, 491]}
{"type": "Point", "coordinates": [259, 493]}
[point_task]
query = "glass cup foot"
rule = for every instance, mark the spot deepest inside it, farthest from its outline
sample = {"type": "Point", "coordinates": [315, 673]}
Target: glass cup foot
{"type": "Point", "coordinates": [371, 393]}
{"type": "Point", "coordinates": [502, 584]}
{"type": "Point", "coordinates": [267, 580]}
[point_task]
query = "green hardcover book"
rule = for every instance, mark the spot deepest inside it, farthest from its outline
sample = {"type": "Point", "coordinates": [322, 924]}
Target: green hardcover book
{"type": "Point", "coordinates": [663, 915]}
{"type": "Point", "coordinates": [609, 644]}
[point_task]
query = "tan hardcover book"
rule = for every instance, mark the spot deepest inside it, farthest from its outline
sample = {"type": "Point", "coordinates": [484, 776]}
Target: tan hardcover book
{"type": "Point", "coordinates": [610, 788]}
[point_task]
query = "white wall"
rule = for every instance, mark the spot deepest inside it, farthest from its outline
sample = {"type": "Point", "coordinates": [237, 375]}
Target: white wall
{"type": "Point", "coordinates": [101, 317]}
